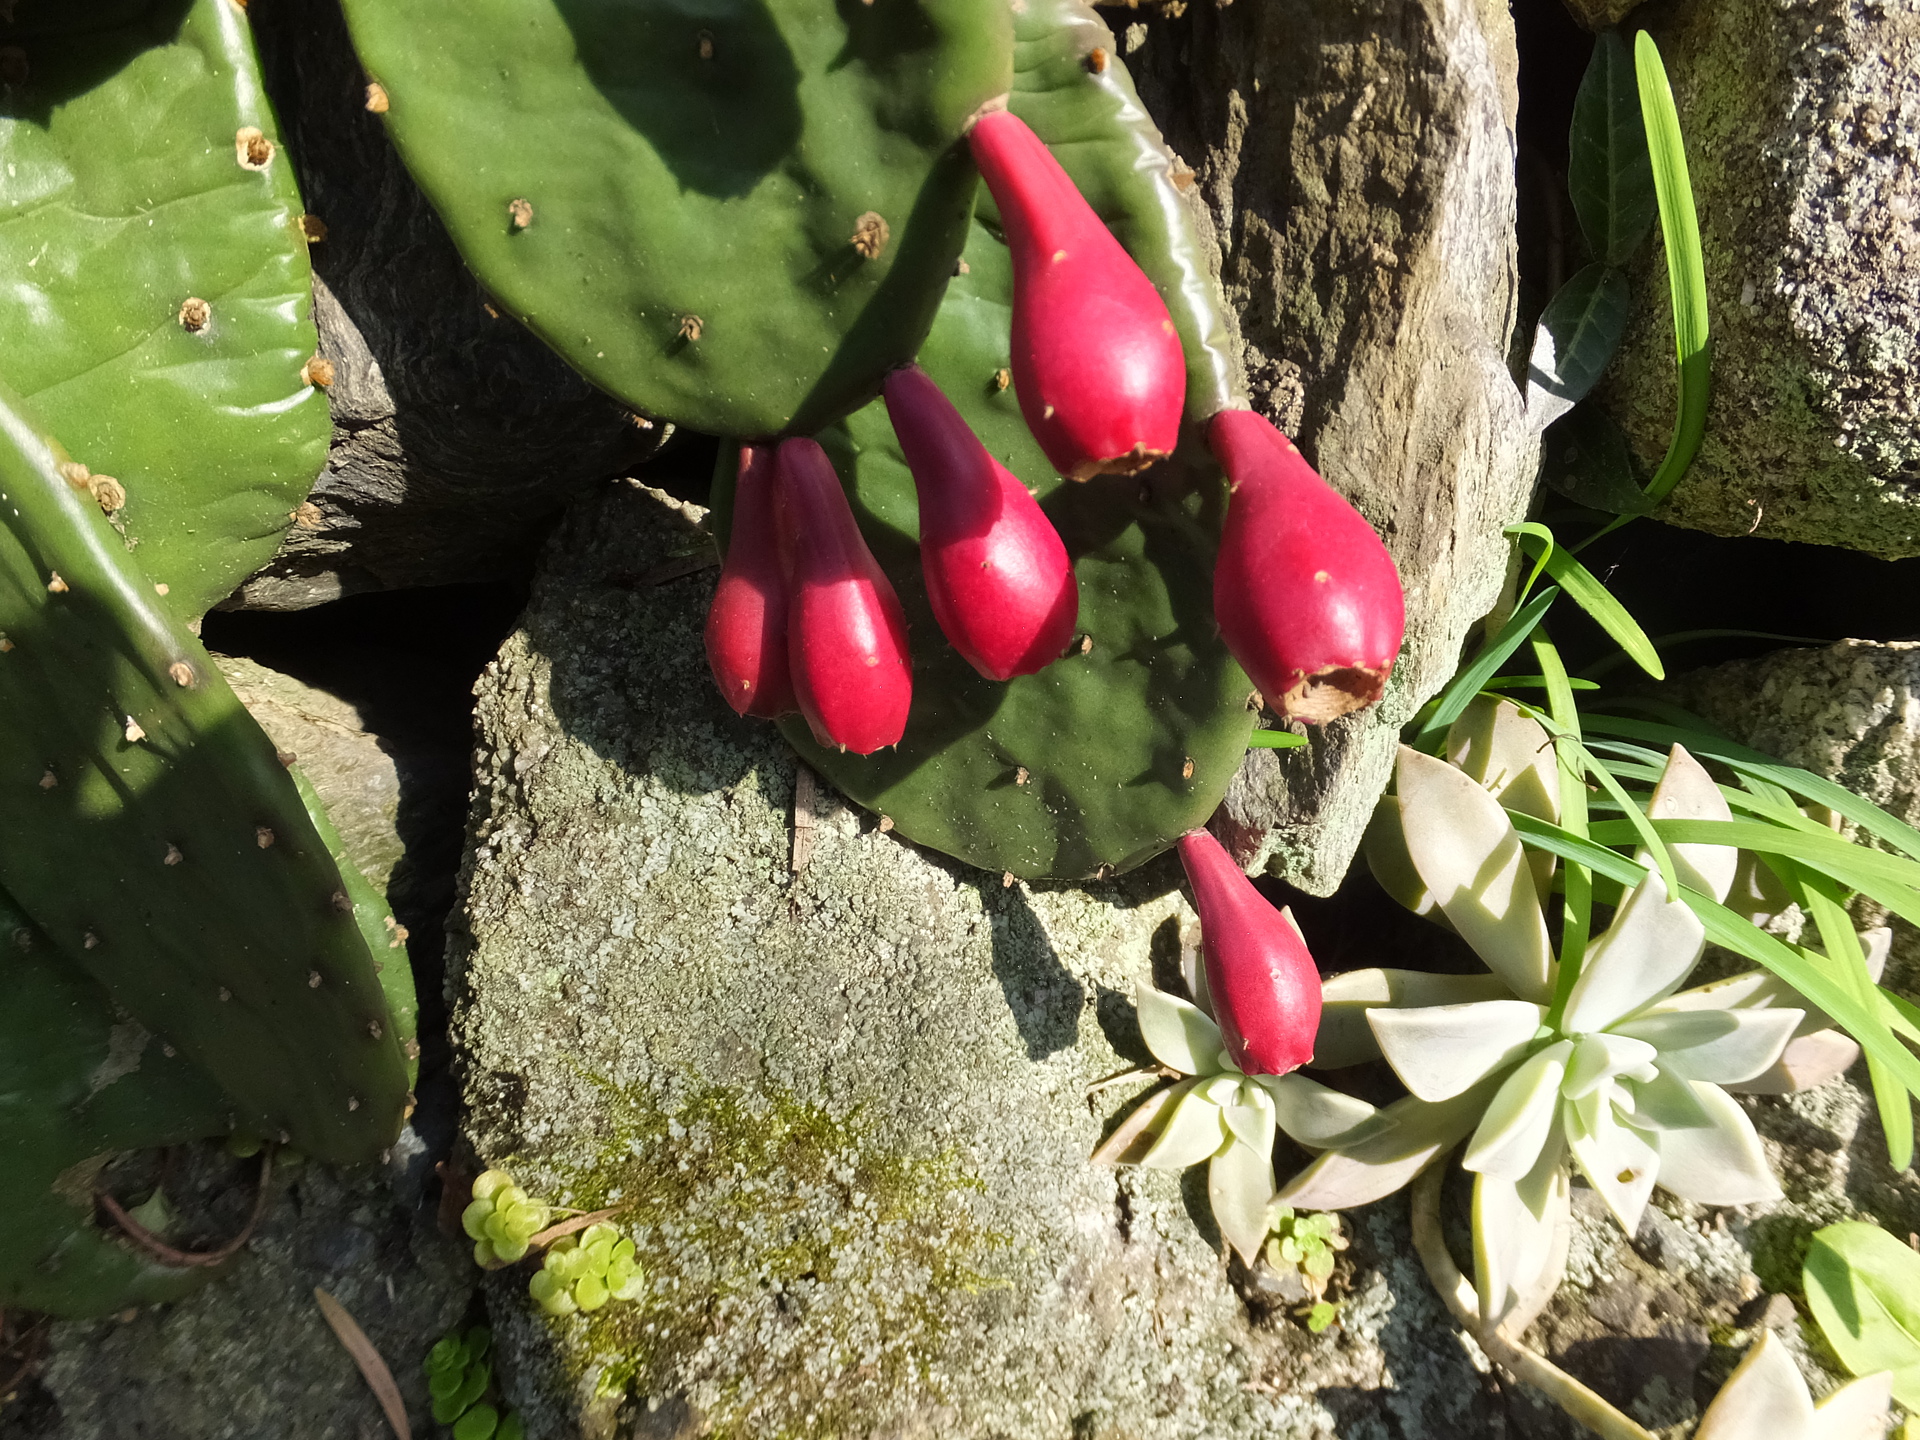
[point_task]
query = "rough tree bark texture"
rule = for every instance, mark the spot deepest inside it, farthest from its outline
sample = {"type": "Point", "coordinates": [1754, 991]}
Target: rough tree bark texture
{"type": "Point", "coordinates": [455, 432]}
{"type": "Point", "coordinates": [1356, 162]}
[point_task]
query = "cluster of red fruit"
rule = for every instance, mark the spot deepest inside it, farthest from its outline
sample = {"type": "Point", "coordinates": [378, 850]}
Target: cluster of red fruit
{"type": "Point", "coordinates": [1305, 594]}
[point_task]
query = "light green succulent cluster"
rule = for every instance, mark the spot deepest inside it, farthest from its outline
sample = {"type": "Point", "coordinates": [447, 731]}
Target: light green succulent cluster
{"type": "Point", "coordinates": [458, 1374]}
{"type": "Point", "coordinates": [585, 1273]}
{"type": "Point", "coordinates": [1308, 1244]}
{"type": "Point", "coordinates": [502, 1219]}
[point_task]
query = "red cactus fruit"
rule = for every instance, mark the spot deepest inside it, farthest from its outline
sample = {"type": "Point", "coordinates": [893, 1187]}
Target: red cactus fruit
{"type": "Point", "coordinates": [747, 626]}
{"type": "Point", "coordinates": [846, 635]}
{"type": "Point", "coordinates": [997, 575]}
{"type": "Point", "coordinates": [1307, 597]}
{"type": "Point", "coordinates": [1097, 364]}
{"type": "Point", "coordinates": [1264, 984]}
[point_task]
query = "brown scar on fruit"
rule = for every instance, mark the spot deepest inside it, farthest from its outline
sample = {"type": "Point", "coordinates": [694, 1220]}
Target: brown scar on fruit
{"type": "Point", "coordinates": [306, 515]}
{"type": "Point", "coordinates": [195, 314]}
{"type": "Point", "coordinates": [1131, 463]}
{"type": "Point", "coordinates": [252, 148]}
{"type": "Point", "coordinates": [1328, 694]}
{"type": "Point", "coordinates": [691, 327]}
{"type": "Point", "coordinates": [376, 97]}
{"type": "Point", "coordinates": [314, 228]}
{"type": "Point", "coordinates": [870, 231]}
{"type": "Point", "coordinates": [317, 371]}
{"type": "Point", "coordinates": [181, 673]}
{"type": "Point", "coordinates": [519, 213]}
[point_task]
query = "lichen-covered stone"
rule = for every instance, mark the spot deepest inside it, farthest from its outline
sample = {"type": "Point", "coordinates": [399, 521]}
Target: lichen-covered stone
{"type": "Point", "coordinates": [846, 1108]}
{"type": "Point", "coordinates": [1802, 121]}
{"type": "Point", "coordinates": [1355, 170]}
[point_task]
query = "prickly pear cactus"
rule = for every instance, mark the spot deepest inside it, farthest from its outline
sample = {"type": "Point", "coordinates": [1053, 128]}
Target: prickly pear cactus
{"type": "Point", "coordinates": [156, 304]}
{"type": "Point", "coordinates": [157, 839]}
{"type": "Point", "coordinates": [76, 1085]}
{"type": "Point", "coordinates": [733, 214]}
{"type": "Point", "coordinates": [1102, 758]}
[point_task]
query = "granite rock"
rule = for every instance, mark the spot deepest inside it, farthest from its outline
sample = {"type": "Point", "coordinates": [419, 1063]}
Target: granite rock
{"type": "Point", "coordinates": [1355, 170]}
{"type": "Point", "coordinates": [1802, 121]}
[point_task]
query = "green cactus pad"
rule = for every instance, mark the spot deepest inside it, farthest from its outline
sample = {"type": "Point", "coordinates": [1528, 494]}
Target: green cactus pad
{"type": "Point", "coordinates": [124, 197]}
{"type": "Point", "coordinates": [1105, 738]}
{"type": "Point", "coordinates": [1070, 87]}
{"type": "Point", "coordinates": [155, 836]}
{"type": "Point", "coordinates": [76, 1086]}
{"type": "Point", "coordinates": [667, 191]}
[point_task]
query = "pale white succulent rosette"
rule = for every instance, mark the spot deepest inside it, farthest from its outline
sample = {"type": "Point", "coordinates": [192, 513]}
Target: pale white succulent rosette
{"type": "Point", "coordinates": [1216, 1113]}
{"type": "Point", "coordinates": [1766, 1399]}
{"type": "Point", "coordinates": [1630, 1081]}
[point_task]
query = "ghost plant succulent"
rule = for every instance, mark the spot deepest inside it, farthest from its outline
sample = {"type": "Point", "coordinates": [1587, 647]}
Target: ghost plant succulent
{"type": "Point", "coordinates": [1615, 1068]}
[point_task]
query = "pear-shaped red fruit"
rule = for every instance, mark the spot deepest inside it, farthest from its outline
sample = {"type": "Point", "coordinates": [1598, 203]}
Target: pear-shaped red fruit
{"type": "Point", "coordinates": [997, 576]}
{"type": "Point", "coordinates": [1264, 985]}
{"type": "Point", "coordinates": [1307, 597]}
{"type": "Point", "coordinates": [1097, 364]}
{"type": "Point", "coordinates": [846, 634]}
{"type": "Point", "coordinates": [747, 626]}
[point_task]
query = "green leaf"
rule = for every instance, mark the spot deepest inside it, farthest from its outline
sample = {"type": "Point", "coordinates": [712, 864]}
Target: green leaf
{"type": "Point", "coordinates": [478, 1423]}
{"type": "Point", "coordinates": [1686, 267]}
{"type": "Point", "coordinates": [1863, 1287]}
{"type": "Point", "coordinates": [1533, 682]}
{"type": "Point", "coordinates": [1591, 596]}
{"type": "Point", "coordinates": [1575, 340]}
{"type": "Point", "coordinates": [1275, 740]}
{"type": "Point", "coordinates": [1467, 682]}
{"type": "Point", "coordinates": [1577, 884]}
{"type": "Point", "coordinates": [123, 197]}
{"type": "Point", "coordinates": [1321, 1316]}
{"type": "Point", "coordinates": [1609, 173]}
{"type": "Point", "coordinates": [1585, 457]}
{"type": "Point", "coordinates": [1678, 727]}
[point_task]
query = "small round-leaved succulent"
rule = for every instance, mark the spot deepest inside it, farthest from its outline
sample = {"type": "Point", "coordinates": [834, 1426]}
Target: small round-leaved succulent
{"type": "Point", "coordinates": [584, 1272]}
{"type": "Point", "coordinates": [502, 1219]}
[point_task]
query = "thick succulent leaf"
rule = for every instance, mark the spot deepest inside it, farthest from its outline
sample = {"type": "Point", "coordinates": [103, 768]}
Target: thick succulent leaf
{"type": "Point", "coordinates": [1597, 1058]}
{"type": "Point", "coordinates": [1194, 1129]}
{"type": "Point", "coordinates": [1251, 1125]}
{"type": "Point", "coordinates": [1139, 1128]}
{"type": "Point", "coordinates": [1466, 851]}
{"type": "Point", "coordinates": [1240, 1187]}
{"type": "Point", "coordinates": [1807, 1061]}
{"type": "Point", "coordinates": [1516, 1125]}
{"type": "Point", "coordinates": [1856, 1411]}
{"type": "Point", "coordinates": [1666, 1102]}
{"type": "Point", "coordinates": [1687, 792]}
{"type": "Point", "coordinates": [693, 179]}
{"type": "Point", "coordinates": [1385, 847]}
{"type": "Point", "coordinates": [1618, 1160]}
{"type": "Point", "coordinates": [1440, 1050]}
{"type": "Point", "coordinates": [1514, 1222]}
{"type": "Point", "coordinates": [1346, 1038]}
{"type": "Point", "coordinates": [1412, 1134]}
{"type": "Point", "coordinates": [1178, 1033]}
{"type": "Point", "coordinates": [1511, 754]}
{"type": "Point", "coordinates": [1863, 1287]}
{"type": "Point", "coordinates": [1765, 1397]}
{"type": "Point", "coordinates": [1316, 1116]}
{"type": "Point", "coordinates": [130, 189]}
{"type": "Point", "coordinates": [1719, 1046]}
{"type": "Point", "coordinates": [1722, 1163]}
{"type": "Point", "coordinates": [1763, 990]}
{"type": "Point", "coordinates": [1648, 950]}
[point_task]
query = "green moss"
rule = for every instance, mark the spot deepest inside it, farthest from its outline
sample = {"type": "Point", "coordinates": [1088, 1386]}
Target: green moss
{"type": "Point", "coordinates": [808, 1278]}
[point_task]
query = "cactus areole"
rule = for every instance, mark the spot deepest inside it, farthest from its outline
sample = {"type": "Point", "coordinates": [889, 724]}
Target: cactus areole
{"type": "Point", "coordinates": [997, 574]}
{"type": "Point", "coordinates": [846, 633]}
{"type": "Point", "coordinates": [746, 630]}
{"type": "Point", "coordinates": [1265, 986]}
{"type": "Point", "coordinates": [1306, 595]}
{"type": "Point", "coordinates": [1097, 363]}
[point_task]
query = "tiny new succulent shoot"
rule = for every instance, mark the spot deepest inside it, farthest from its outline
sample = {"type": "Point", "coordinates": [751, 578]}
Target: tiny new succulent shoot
{"type": "Point", "coordinates": [1305, 593]}
{"type": "Point", "coordinates": [1097, 364]}
{"type": "Point", "coordinates": [997, 575]}
{"type": "Point", "coordinates": [584, 1272]}
{"type": "Point", "coordinates": [459, 1378]}
{"type": "Point", "coordinates": [1615, 1067]}
{"type": "Point", "coordinates": [1308, 1245]}
{"type": "Point", "coordinates": [746, 632]}
{"type": "Point", "coordinates": [846, 632]}
{"type": "Point", "coordinates": [502, 1219]}
{"type": "Point", "coordinates": [1237, 1051]}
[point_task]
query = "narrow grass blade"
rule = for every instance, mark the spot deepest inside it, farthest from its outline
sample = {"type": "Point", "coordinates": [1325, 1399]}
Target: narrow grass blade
{"type": "Point", "coordinates": [1576, 915]}
{"type": "Point", "coordinates": [1686, 267]}
{"type": "Point", "coordinates": [1591, 596]}
{"type": "Point", "coordinates": [1466, 684]}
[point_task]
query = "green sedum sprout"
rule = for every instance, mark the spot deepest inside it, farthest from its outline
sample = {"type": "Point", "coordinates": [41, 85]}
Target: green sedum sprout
{"type": "Point", "coordinates": [585, 1273]}
{"type": "Point", "coordinates": [1307, 1244]}
{"type": "Point", "coordinates": [502, 1219]}
{"type": "Point", "coordinates": [458, 1374]}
